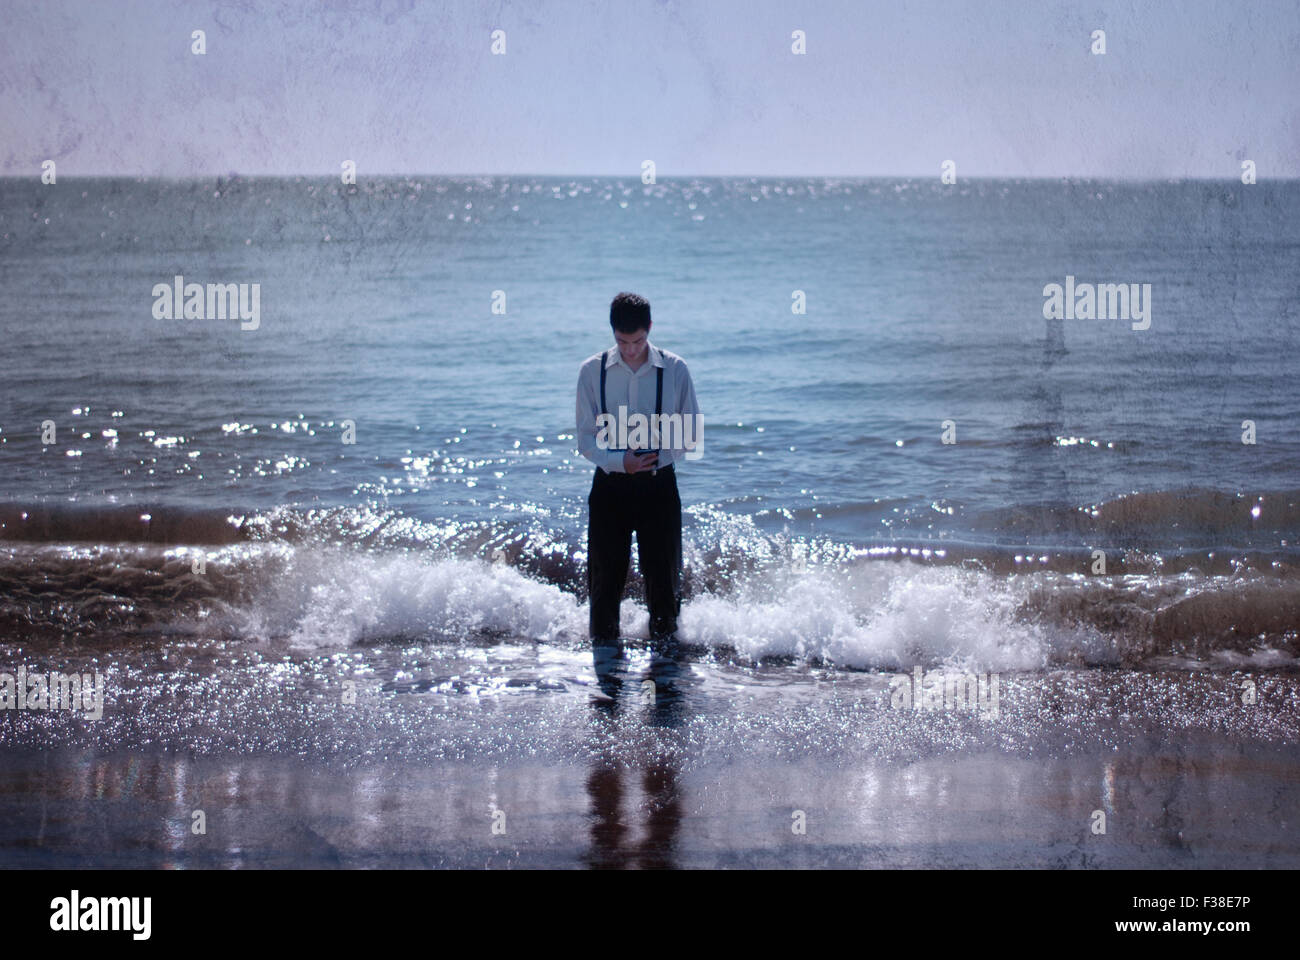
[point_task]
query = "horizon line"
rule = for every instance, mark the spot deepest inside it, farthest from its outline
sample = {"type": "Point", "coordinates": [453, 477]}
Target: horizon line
{"type": "Point", "coordinates": [636, 177]}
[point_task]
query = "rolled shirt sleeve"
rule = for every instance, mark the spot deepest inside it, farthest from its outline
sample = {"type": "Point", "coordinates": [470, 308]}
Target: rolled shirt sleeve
{"type": "Point", "coordinates": [689, 408]}
{"type": "Point", "coordinates": [683, 403]}
{"type": "Point", "coordinates": [611, 461]}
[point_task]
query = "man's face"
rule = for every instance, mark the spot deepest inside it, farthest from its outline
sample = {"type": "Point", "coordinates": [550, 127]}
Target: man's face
{"type": "Point", "coordinates": [632, 346]}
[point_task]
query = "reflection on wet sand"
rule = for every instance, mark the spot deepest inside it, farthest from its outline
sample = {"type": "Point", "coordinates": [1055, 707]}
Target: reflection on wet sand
{"type": "Point", "coordinates": [658, 694]}
{"type": "Point", "coordinates": [651, 763]}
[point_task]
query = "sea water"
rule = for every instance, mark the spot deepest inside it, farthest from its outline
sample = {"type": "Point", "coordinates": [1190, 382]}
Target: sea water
{"type": "Point", "coordinates": [913, 462]}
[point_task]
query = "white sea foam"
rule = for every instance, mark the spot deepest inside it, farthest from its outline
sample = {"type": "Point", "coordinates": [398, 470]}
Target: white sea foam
{"type": "Point", "coordinates": [885, 616]}
{"type": "Point", "coordinates": [333, 598]}
{"type": "Point", "coordinates": [879, 615]}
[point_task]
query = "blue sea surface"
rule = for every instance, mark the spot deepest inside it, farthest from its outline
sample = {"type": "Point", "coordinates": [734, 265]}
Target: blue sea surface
{"type": "Point", "coordinates": [823, 429]}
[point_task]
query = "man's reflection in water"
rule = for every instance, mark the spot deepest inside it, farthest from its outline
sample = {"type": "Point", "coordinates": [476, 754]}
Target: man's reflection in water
{"type": "Point", "coordinates": [658, 694]}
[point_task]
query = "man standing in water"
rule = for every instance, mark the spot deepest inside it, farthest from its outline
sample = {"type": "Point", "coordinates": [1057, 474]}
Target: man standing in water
{"type": "Point", "coordinates": [634, 489]}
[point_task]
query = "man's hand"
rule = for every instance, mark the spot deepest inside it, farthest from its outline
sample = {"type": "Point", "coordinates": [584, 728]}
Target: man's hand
{"type": "Point", "coordinates": [632, 463]}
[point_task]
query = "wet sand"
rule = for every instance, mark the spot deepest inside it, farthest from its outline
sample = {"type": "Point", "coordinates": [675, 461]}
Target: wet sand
{"type": "Point", "coordinates": [521, 756]}
{"type": "Point", "coordinates": [1199, 806]}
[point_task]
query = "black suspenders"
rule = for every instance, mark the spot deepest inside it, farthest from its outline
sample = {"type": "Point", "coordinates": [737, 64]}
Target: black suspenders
{"type": "Point", "coordinates": [659, 385]}
{"type": "Point", "coordinates": [604, 359]}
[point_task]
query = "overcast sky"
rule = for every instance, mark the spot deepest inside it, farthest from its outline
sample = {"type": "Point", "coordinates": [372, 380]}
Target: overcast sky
{"type": "Point", "coordinates": [1185, 89]}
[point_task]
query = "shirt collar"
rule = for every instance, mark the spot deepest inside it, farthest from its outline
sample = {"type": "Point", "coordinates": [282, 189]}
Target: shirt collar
{"type": "Point", "coordinates": [615, 358]}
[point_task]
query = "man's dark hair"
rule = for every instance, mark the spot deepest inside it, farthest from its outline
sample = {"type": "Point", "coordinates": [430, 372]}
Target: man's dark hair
{"type": "Point", "coordinates": [629, 313]}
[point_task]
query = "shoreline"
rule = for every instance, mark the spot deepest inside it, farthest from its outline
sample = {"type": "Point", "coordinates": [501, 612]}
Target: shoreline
{"type": "Point", "coordinates": [1194, 805]}
{"type": "Point", "coordinates": [583, 768]}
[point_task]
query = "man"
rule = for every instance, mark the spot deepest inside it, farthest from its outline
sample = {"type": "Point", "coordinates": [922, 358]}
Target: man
{"type": "Point", "coordinates": [634, 490]}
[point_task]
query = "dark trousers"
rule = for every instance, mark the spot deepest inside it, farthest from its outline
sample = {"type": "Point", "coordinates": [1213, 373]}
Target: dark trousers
{"type": "Point", "coordinates": [648, 505]}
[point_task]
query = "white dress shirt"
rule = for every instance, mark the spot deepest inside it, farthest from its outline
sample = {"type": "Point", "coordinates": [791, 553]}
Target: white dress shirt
{"type": "Point", "coordinates": [635, 390]}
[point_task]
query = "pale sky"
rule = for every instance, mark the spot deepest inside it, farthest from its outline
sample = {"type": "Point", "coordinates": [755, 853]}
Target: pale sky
{"type": "Point", "coordinates": [1185, 89]}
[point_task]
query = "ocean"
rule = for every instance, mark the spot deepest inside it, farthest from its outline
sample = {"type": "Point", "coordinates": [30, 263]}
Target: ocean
{"type": "Point", "coordinates": [907, 464]}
